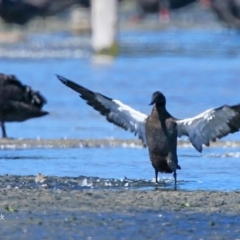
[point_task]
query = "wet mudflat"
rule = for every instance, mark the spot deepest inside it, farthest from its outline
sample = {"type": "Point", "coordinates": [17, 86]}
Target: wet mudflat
{"type": "Point", "coordinates": [110, 208]}
{"type": "Point", "coordinates": [41, 209]}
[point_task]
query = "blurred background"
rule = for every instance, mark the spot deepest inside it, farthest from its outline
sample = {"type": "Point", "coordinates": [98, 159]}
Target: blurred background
{"type": "Point", "coordinates": [188, 49]}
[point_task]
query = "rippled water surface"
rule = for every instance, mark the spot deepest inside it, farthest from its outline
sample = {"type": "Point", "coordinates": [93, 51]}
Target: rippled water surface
{"type": "Point", "coordinates": [216, 169]}
{"type": "Point", "coordinates": [195, 69]}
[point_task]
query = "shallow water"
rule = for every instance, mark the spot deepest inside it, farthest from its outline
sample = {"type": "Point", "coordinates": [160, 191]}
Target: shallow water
{"type": "Point", "coordinates": [196, 69]}
{"type": "Point", "coordinates": [121, 167]}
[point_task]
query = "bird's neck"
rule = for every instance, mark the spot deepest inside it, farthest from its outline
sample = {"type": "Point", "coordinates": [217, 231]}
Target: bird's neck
{"type": "Point", "coordinates": [161, 111]}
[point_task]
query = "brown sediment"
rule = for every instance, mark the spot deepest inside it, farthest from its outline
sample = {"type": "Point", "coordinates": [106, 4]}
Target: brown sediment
{"type": "Point", "coordinates": [122, 200]}
{"type": "Point", "coordinates": [123, 214]}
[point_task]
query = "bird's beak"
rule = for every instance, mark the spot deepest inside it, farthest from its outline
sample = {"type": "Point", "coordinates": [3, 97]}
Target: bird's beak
{"type": "Point", "coordinates": [152, 102]}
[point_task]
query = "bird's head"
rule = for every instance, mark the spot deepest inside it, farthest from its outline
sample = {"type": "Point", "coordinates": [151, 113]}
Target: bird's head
{"type": "Point", "coordinates": [158, 98]}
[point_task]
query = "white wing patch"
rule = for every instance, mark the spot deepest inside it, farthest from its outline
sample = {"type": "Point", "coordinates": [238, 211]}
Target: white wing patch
{"type": "Point", "coordinates": [125, 116]}
{"type": "Point", "coordinates": [206, 126]}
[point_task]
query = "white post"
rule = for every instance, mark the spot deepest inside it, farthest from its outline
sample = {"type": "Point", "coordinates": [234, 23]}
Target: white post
{"type": "Point", "coordinates": [104, 15]}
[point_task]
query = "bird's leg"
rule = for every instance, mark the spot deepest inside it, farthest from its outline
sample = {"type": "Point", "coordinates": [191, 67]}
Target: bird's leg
{"type": "Point", "coordinates": [4, 134]}
{"type": "Point", "coordinates": [156, 175]}
{"type": "Point", "coordinates": [175, 180]}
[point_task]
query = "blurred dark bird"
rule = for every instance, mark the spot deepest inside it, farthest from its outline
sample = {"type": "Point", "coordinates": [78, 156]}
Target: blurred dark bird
{"type": "Point", "coordinates": [227, 11]}
{"type": "Point", "coordinates": [22, 11]}
{"type": "Point", "coordinates": [159, 130]}
{"type": "Point", "coordinates": [162, 7]}
{"type": "Point", "coordinates": [18, 102]}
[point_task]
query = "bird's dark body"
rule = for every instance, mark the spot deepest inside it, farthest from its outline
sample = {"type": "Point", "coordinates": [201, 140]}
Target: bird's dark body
{"type": "Point", "coordinates": [150, 6]}
{"type": "Point", "coordinates": [22, 11]}
{"type": "Point", "coordinates": [153, 6]}
{"type": "Point", "coordinates": [18, 102]}
{"type": "Point", "coordinates": [162, 141]}
{"type": "Point", "coordinates": [176, 4]}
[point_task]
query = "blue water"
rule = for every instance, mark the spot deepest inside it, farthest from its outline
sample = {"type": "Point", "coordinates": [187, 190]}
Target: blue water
{"type": "Point", "coordinates": [209, 171]}
{"type": "Point", "coordinates": [195, 69]}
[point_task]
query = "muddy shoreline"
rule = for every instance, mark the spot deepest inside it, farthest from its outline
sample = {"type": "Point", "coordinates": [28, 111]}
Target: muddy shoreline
{"type": "Point", "coordinates": [38, 212]}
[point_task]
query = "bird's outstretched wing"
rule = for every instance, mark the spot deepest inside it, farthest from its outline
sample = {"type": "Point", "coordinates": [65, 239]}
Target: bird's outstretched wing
{"type": "Point", "coordinates": [115, 111]}
{"type": "Point", "coordinates": [210, 125]}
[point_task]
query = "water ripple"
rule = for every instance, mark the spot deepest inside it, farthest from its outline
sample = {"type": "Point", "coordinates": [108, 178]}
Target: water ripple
{"type": "Point", "coordinates": [94, 143]}
{"type": "Point", "coordinates": [225, 155]}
